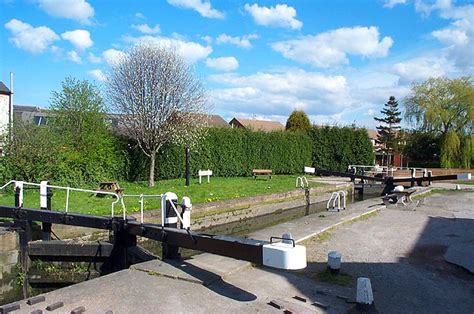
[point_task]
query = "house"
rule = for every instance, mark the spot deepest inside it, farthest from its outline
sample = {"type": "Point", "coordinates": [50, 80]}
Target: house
{"type": "Point", "coordinates": [5, 95]}
{"type": "Point", "coordinates": [256, 125]}
{"type": "Point", "coordinates": [31, 114]}
{"type": "Point", "coordinates": [216, 121]}
{"type": "Point", "coordinates": [381, 156]}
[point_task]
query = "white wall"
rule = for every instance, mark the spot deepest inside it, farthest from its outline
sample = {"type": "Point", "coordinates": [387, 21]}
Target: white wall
{"type": "Point", "coordinates": [4, 114]}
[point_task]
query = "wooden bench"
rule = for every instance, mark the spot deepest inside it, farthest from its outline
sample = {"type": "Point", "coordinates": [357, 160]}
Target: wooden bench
{"type": "Point", "coordinates": [109, 187]}
{"type": "Point", "coordinates": [261, 172]}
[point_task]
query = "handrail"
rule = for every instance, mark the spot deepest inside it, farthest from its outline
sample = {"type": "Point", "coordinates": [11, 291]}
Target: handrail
{"type": "Point", "coordinates": [303, 182]}
{"type": "Point", "coordinates": [141, 201]}
{"type": "Point", "coordinates": [68, 189]}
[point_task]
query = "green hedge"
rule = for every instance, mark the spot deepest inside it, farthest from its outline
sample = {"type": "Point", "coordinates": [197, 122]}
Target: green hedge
{"type": "Point", "coordinates": [235, 152]}
{"type": "Point", "coordinates": [335, 148]}
{"type": "Point", "coordinates": [230, 152]}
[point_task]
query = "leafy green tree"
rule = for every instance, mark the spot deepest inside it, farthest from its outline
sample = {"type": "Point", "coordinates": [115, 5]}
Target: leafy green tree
{"type": "Point", "coordinates": [389, 127]}
{"type": "Point", "coordinates": [445, 107]}
{"type": "Point", "coordinates": [298, 121]}
{"type": "Point", "coordinates": [86, 143]}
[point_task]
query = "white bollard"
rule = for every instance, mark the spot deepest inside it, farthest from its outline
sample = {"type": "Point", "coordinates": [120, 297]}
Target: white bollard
{"type": "Point", "coordinates": [286, 238]}
{"type": "Point", "coordinates": [458, 187]}
{"type": "Point", "coordinates": [364, 295]}
{"type": "Point", "coordinates": [334, 261]}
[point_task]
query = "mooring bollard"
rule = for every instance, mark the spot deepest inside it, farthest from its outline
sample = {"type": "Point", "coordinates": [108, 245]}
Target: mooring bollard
{"type": "Point", "coordinates": [45, 204]}
{"type": "Point", "coordinates": [364, 295]}
{"type": "Point", "coordinates": [334, 261]}
{"type": "Point", "coordinates": [287, 238]}
{"type": "Point", "coordinates": [169, 218]}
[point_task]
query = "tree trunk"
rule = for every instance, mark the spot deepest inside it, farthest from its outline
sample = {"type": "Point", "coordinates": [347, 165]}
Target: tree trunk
{"type": "Point", "coordinates": [187, 175]}
{"type": "Point", "coordinates": [151, 178]}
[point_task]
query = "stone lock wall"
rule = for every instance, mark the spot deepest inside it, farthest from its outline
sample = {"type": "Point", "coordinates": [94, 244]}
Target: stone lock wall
{"type": "Point", "coordinates": [9, 259]}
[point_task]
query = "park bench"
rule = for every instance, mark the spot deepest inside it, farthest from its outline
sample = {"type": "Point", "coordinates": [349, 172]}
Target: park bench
{"type": "Point", "coordinates": [262, 172]}
{"type": "Point", "coordinates": [109, 187]}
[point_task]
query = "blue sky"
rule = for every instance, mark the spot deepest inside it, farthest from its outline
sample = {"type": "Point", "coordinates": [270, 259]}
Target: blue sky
{"type": "Point", "coordinates": [337, 60]}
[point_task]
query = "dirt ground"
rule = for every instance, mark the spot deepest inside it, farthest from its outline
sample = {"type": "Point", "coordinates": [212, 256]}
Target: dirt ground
{"type": "Point", "coordinates": [402, 252]}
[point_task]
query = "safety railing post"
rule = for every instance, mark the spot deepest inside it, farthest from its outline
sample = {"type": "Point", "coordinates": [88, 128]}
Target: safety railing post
{"type": "Point", "coordinates": [45, 204]}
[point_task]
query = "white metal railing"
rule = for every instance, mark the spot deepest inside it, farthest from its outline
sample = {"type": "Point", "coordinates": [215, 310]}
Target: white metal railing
{"type": "Point", "coordinates": [68, 190]}
{"type": "Point", "coordinates": [119, 198]}
{"type": "Point", "coordinates": [336, 198]}
{"type": "Point", "coordinates": [303, 182]}
{"type": "Point", "coordinates": [141, 201]}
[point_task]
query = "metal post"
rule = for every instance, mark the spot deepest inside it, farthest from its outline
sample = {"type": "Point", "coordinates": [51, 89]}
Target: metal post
{"type": "Point", "coordinates": [187, 166]}
{"type": "Point", "coordinates": [430, 173]}
{"type": "Point", "coordinates": [18, 194]}
{"type": "Point", "coordinates": [413, 175]}
{"type": "Point", "coordinates": [45, 203]}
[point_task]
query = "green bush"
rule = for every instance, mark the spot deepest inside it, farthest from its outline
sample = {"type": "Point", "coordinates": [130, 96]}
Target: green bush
{"type": "Point", "coordinates": [230, 152]}
{"type": "Point", "coordinates": [235, 152]}
{"type": "Point", "coordinates": [335, 148]}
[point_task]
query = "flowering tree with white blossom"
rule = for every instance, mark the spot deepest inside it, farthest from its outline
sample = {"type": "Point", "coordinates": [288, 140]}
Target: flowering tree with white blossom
{"type": "Point", "coordinates": [158, 97]}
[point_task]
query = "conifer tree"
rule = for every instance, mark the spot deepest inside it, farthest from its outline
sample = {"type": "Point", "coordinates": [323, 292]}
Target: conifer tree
{"type": "Point", "coordinates": [389, 126]}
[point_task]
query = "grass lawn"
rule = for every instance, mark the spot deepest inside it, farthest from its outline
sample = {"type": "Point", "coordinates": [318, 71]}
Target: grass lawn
{"type": "Point", "coordinates": [218, 189]}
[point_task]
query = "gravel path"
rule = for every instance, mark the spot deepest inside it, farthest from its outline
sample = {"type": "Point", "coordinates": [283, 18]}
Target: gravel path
{"type": "Point", "coordinates": [402, 253]}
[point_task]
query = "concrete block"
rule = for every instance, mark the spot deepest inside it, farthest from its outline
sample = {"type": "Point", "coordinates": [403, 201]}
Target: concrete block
{"type": "Point", "coordinates": [8, 241]}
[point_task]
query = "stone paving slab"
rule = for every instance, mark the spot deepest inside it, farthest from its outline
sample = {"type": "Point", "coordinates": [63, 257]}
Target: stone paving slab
{"type": "Point", "coordinates": [201, 269]}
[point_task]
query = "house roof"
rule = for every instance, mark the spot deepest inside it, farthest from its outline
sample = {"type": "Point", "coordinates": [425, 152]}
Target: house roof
{"type": "Point", "coordinates": [4, 90]}
{"type": "Point", "coordinates": [373, 134]}
{"type": "Point", "coordinates": [214, 120]}
{"type": "Point", "coordinates": [261, 125]}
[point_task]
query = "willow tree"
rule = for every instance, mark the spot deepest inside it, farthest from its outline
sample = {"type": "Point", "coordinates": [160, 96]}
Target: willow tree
{"type": "Point", "coordinates": [158, 97]}
{"type": "Point", "coordinates": [446, 108]}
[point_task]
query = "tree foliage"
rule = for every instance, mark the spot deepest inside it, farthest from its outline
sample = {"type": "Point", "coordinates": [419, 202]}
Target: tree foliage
{"type": "Point", "coordinates": [445, 107]}
{"type": "Point", "coordinates": [389, 126]}
{"type": "Point", "coordinates": [159, 98]}
{"type": "Point", "coordinates": [298, 121]}
{"type": "Point", "coordinates": [75, 147]}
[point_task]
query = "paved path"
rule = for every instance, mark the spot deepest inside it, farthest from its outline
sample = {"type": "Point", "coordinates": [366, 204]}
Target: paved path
{"type": "Point", "coordinates": [403, 252]}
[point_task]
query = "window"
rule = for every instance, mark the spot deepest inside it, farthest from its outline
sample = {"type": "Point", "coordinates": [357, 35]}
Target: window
{"type": "Point", "coordinates": [39, 120]}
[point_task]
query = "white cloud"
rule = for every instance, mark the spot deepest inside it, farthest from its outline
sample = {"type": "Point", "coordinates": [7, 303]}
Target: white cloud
{"type": "Point", "coordinates": [139, 15]}
{"type": "Point", "coordinates": [331, 48]}
{"type": "Point", "coordinates": [203, 7]}
{"type": "Point", "coordinates": [93, 58]}
{"type": "Point", "coordinates": [458, 36]}
{"type": "Point", "coordinates": [98, 75]}
{"type": "Point", "coordinates": [112, 56]}
{"type": "Point", "coordinates": [189, 50]}
{"type": "Point", "coordinates": [451, 36]}
{"type": "Point", "coordinates": [391, 3]}
{"type": "Point", "coordinates": [81, 39]}
{"type": "Point", "coordinates": [278, 93]}
{"type": "Point", "coordinates": [222, 63]}
{"type": "Point", "coordinates": [420, 69]}
{"type": "Point", "coordinates": [32, 39]}
{"type": "Point", "coordinates": [145, 29]}
{"type": "Point", "coordinates": [243, 42]}
{"type": "Point", "coordinates": [78, 10]}
{"type": "Point", "coordinates": [280, 15]}
{"type": "Point", "coordinates": [74, 57]}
